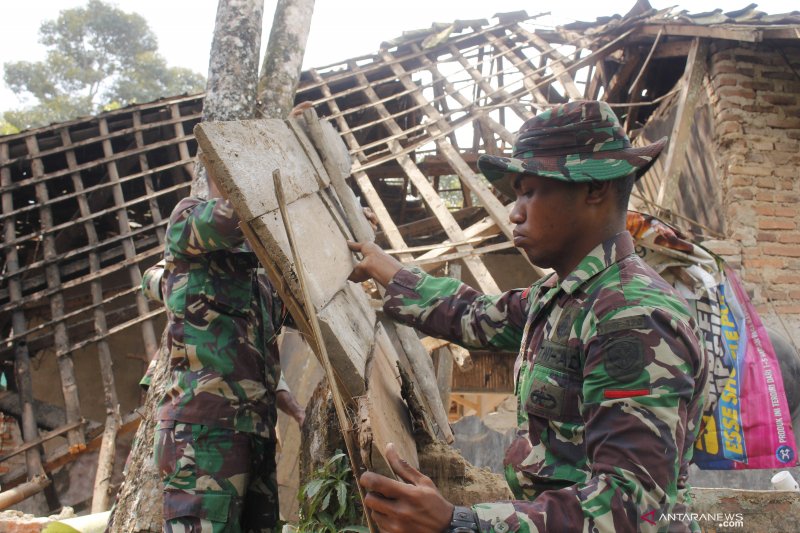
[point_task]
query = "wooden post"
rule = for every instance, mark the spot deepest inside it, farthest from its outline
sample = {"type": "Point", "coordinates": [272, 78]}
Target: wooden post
{"type": "Point", "coordinates": [676, 150]}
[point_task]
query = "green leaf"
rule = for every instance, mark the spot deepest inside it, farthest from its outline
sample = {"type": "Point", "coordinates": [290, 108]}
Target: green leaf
{"type": "Point", "coordinates": [341, 494]}
{"type": "Point", "coordinates": [326, 501]}
{"type": "Point", "coordinates": [313, 487]}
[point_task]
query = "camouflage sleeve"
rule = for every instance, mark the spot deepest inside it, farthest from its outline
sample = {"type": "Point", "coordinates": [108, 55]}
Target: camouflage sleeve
{"type": "Point", "coordinates": [449, 309]}
{"type": "Point", "coordinates": [642, 369]}
{"type": "Point", "coordinates": [198, 227]}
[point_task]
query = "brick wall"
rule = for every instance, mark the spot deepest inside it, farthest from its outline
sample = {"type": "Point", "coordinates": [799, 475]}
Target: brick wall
{"type": "Point", "coordinates": [755, 95]}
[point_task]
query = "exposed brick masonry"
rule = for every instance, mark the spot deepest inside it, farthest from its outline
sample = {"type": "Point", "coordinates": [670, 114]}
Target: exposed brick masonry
{"type": "Point", "coordinates": [755, 95]}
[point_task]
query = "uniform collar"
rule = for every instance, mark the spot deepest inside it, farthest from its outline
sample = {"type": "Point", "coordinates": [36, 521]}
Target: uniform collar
{"type": "Point", "coordinates": [604, 255]}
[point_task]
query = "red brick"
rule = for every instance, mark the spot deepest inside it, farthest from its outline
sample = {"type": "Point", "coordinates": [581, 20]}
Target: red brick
{"type": "Point", "coordinates": [785, 250]}
{"type": "Point", "coordinates": [767, 210]}
{"type": "Point", "coordinates": [789, 237]}
{"type": "Point", "coordinates": [787, 197]}
{"type": "Point", "coordinates": [750, 170]}
{"type": "Point", "coordinates": [787, 277]}
{"type": "Point", "coordinates": [765, 196]}
{"type": "Point", "coordinates": [767, 183]}
{"type": "Point", "coordinates": [766, 236]}
{"type": "Point", "coordinates": [776, 223]}
{"type": "Point", "coordinates": [778, 75]}
{"type": "Point", "coordinates": [781, 211]}
{"type": "Point", "coordinates": [775, 262]}
{"type": "Point", "coordinates": [736, 92]}
{"type": "Point", "coordinates": [757, 85]}
{"type": "Point", "coordinates": [741, 194]}
{"type": "Point", "coordinates": [779, 98]}
{"type": "Point", "coordinates": [725, 81]}
{"type": "Point", "coordinates": [740, 181]}
{"type": "Point", "coordinates": [789, 123]}
{"type": "Point", "coordinates": [729, 127]}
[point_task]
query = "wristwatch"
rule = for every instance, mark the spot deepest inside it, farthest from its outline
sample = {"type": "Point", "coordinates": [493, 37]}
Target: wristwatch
{"type": "Point", "coordinates": [463, 521]}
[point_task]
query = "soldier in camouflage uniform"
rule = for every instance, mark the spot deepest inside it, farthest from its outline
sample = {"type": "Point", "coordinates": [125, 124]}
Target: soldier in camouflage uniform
{"type": "Point", "coordinates": [610, 378]}
{"type": "Point", "coordinates": [215, 442]}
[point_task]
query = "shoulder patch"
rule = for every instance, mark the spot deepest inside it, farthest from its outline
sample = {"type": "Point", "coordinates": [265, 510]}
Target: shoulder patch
{"type": "Point", "coordinates": [624, 359]}
{"type": "Point", "coordinates": [525, 293]}
{"type": "Point", "coordinates": [620, 324]}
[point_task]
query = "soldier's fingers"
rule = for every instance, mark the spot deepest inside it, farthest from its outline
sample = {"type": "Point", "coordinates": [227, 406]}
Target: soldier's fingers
{"type": "Point", "coordinates": [383, 487]}
{"type": "Point", "coordinates": [355, 246]}
{"type": "Point", "coordinates": [405, 471]}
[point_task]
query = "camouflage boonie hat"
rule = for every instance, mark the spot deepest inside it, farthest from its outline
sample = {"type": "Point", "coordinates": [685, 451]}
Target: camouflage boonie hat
{"type": "Point", "coordinates": [578, 142]}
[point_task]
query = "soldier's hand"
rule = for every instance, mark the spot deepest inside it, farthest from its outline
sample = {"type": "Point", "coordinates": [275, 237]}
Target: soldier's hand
{"type": "Point", "coordinates": [376, 263]}
{"type": "Point", "coordinates": [416, 505]}
{"type": "Point", "coordinates": [371, 217]}
{"type": "Point", "coordinates": [287, 403]}
{"type": "Point", "coordinates": [299, 108]}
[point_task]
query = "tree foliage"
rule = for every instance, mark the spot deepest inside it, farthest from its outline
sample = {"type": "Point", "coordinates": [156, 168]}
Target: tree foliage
{"type": "Point", "coordinates": [97, 55]}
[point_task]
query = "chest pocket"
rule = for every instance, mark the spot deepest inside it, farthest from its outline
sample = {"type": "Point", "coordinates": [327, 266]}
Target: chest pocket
{"type": "Point", "coordinates": [556, 383]}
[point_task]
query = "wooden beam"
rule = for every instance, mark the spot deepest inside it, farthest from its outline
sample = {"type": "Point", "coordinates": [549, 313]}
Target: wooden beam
{"type": "Point", "coordinates": [22, 364]}
{"type": "Point", "coordinates": [692, 85]}
{"type": "Point", "coordinates": [722, 31]}
{"type": "Point", "coordinates": [558, 66]}
{"type": "Point", "coordinates": [431, 197]}
{"type": "Point", "coordinates": [69, 386]}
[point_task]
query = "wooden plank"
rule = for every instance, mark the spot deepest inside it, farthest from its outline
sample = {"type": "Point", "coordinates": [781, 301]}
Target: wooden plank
{"type": "Point", "coordinates": [364, 184]}
{"type": "Point", "coordinates": [692, 85]}
{"type": "Point", "coordinates": [388, 419]}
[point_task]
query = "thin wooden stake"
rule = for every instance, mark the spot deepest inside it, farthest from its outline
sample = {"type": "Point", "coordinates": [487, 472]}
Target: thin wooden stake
{"type": "Point", "coordinates": [322, 352]}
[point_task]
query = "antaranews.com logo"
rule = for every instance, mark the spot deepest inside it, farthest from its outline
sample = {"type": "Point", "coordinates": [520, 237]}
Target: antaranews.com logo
{"type": "Point", "coordinates": [728, 520]}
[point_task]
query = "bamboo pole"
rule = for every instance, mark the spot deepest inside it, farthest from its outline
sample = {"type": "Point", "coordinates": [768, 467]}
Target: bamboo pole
{"type": "Point", "coordinates": [319, 345]}
{"type": "Point", "coordinates": [23, 492]}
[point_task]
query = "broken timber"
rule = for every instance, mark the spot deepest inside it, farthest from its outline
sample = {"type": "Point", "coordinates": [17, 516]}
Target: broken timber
{"type": "Point", "coordinates": [366, 355]}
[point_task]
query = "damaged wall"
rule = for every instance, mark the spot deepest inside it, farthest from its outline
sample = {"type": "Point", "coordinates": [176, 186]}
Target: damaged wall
{"type": "Point", "coordinates": [756, 102]}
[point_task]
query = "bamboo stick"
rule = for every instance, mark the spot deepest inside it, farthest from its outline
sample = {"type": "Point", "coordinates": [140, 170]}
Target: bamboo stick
{"type": "Point", "coordinates": [319, 344]}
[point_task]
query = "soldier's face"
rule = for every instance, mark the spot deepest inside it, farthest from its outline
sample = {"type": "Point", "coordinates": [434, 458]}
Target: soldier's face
{"type": "Point", "coordinates": [545, 217]}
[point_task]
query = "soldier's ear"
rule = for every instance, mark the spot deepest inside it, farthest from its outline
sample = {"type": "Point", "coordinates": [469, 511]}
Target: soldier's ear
{"type": "Point", "coordinates": [597, 192]}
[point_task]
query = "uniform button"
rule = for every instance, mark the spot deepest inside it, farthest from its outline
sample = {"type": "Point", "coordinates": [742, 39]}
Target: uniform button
{"type": "Point", "coordinates": [501, 527]}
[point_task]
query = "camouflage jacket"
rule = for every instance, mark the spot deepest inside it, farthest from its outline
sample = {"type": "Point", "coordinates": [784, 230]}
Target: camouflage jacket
{"type": "Point", "coordinates": [610, 384]}
{"type": "Point", "coordinates": [223, 319]}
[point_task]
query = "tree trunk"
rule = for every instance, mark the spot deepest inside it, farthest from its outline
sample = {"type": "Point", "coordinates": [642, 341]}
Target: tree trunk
{"type": "Point", "coordinates": [283, 60]}
{"type": "Point", "coordinates": [232, 69]}
{"type": "Point", "coordinates": [230, 95]}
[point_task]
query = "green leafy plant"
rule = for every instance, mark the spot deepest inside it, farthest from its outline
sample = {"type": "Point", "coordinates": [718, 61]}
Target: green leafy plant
{"type": "Point", "coordinates": [329, 502]}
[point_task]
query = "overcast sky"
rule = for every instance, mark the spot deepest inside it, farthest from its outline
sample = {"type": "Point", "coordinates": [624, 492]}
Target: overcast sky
{"type": "Point", "coordinates": [340, 29]}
